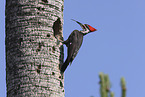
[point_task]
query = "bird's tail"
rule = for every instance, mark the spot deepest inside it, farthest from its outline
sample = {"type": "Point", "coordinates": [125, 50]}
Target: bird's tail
{"type": "Point", "coordinates": [64, 66]}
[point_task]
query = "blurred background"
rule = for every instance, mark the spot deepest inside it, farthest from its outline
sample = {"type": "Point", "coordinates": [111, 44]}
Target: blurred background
{"type": "Point", "coordinates": [117, 48]}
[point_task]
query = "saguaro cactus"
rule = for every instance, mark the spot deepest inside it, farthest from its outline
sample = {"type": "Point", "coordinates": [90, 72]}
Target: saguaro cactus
{"type": "Point", "coordinates": [105, 86]}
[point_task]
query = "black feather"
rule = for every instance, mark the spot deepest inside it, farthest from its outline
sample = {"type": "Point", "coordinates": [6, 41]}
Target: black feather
{"type": "Point", "coordinates": [73, 43]}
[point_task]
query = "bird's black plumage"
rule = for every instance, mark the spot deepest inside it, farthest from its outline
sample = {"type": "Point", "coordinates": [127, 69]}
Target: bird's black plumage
{"type": "Point", "coordinates": [73, 43]}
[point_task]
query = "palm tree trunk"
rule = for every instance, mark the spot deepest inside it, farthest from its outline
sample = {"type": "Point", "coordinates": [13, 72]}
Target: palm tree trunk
{"type": "Point", "coordinates": [33, 55]}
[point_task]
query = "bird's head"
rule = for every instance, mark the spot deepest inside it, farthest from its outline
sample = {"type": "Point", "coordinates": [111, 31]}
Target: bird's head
{"type": "Point", "coordinates": [86, 28]}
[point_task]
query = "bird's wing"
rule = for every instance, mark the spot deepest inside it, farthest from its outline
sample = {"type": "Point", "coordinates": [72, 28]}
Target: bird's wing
{"type": "Point", "coordinates": [75, 44]}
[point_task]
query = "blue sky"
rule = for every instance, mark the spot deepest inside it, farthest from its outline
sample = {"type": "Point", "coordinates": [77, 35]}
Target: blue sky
{"type": "Point", "coordinates": [117, 48]}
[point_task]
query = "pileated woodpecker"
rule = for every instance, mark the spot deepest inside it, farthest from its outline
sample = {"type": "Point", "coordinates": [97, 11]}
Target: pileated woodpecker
{"type": "Point", "coordinates": [74, 43]}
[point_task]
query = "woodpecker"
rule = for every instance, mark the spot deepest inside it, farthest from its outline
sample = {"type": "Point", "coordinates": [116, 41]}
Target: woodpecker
{"type": "Point", "coordinates": [74, 43]}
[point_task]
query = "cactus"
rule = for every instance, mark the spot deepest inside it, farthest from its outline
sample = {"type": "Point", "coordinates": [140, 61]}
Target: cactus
{"type": "Point", "coordinates": [105, 86]}
{"type": "Point", "coordinates": [123, 87]}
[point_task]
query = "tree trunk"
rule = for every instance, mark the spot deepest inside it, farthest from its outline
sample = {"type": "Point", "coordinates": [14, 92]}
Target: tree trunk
{"type": "Point", "coordinates": [33, 54]}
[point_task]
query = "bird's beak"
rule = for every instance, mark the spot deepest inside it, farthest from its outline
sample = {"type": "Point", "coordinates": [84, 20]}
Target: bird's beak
{"type": "Point", "coordinates": [83, 27]}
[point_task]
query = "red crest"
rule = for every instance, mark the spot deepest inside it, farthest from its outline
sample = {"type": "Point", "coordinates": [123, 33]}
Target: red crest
{"type": "Point", "coordinates": [92, 29]}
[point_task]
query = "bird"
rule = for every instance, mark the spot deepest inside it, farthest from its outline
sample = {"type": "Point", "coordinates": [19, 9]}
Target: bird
{"type": "Point", "coordinates": [74, 42]}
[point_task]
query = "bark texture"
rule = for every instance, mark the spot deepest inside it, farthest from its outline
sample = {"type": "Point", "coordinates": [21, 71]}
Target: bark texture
{"type": "Point", "coordinates": [33, 55]}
